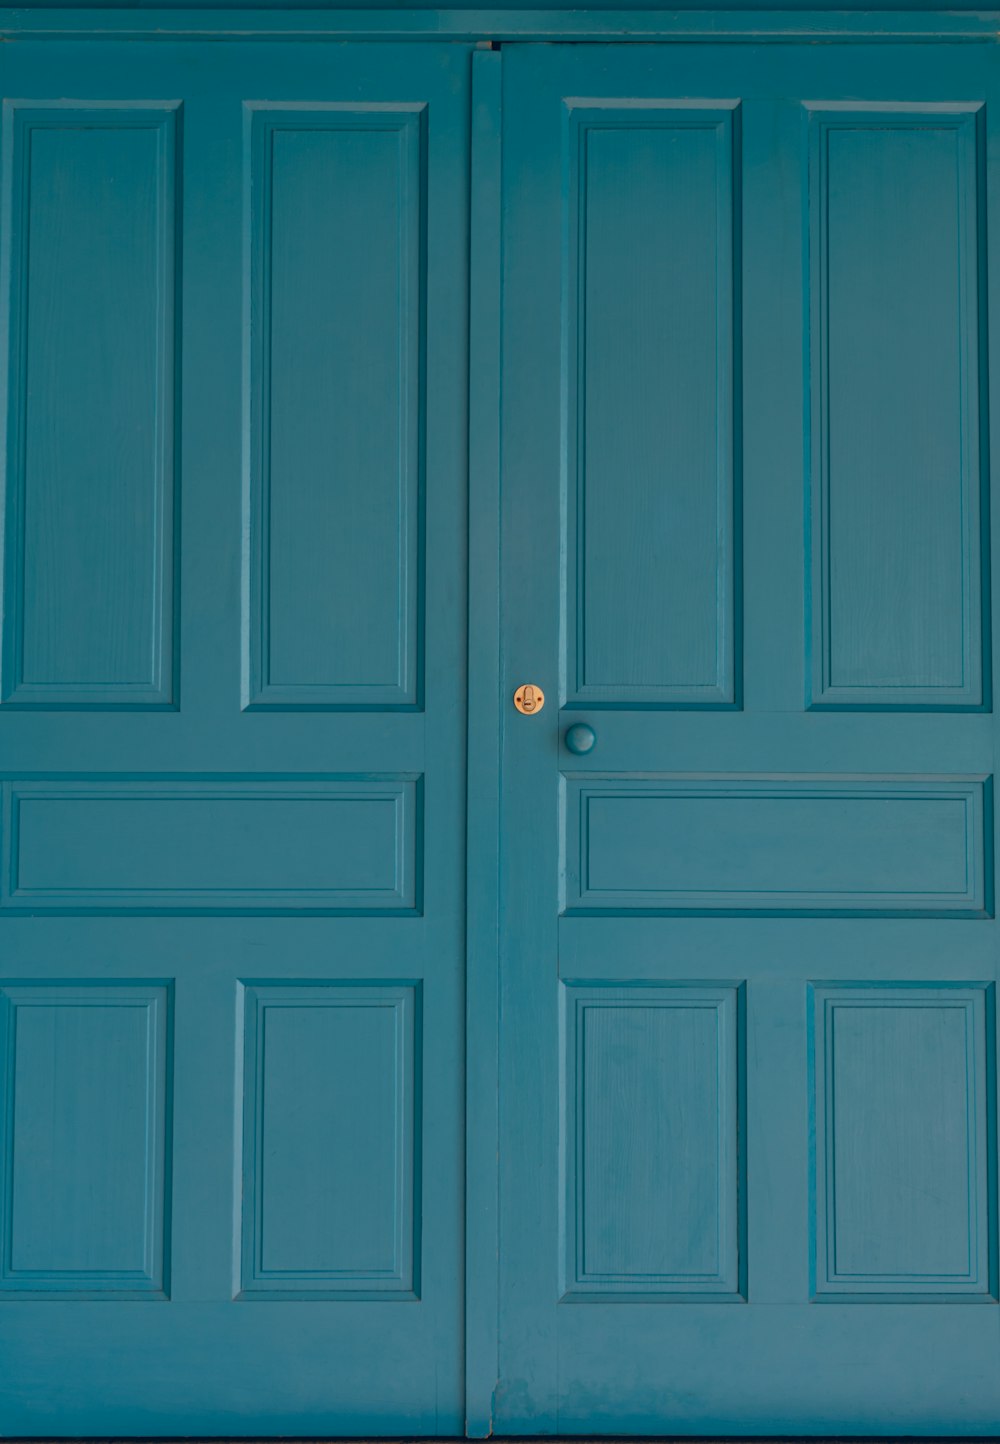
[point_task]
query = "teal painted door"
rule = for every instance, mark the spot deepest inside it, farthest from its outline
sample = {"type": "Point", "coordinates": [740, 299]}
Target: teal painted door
{"type": "Point", "coordinates": [232, 738]}
{"type": "Point", "coordinates": [747, 1108]}
{"type": "Point", "coordinates": [749, 957]}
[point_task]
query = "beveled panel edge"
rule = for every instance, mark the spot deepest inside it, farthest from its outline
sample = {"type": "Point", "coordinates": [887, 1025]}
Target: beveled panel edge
{"type": "Point", "coordinates": [154, 1283]}
{"type": "Point", "coordinates": [976, 791]}
{"type": "Point", "coordinates": [729, 1001]}
{"type": "Point", "coordinates": [405, 788]}
{"type": "Point", "coordinates": [976, 695]}
{"type": "Point", "coordinates": [261, 120]}
{"type": "Point", "coordinates": [18, 119]}
{"type": "Point", "coordinates": [979, 1001]}
{"type": "Point", "coordinates": [254, 1284]}
{"type": "Point", "coordinates": [580, 115]}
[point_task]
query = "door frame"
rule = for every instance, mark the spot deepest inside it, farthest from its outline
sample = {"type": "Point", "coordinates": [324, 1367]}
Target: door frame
{"type": "Point", "coordinates": [488, 30]}
{"type": "Point", "coordinates": [312, 20]}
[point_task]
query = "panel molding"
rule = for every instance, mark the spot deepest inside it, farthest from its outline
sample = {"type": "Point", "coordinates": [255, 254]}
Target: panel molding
{"type": "Point", "coordinates": [725, 1282]}
{"type": "Point", "coordinates": [21, 122]}
{"type": "Point", "coordinates": [403, 856]}
{"type": "Point", "coordinates": [400, 1281]}
{"type": "Point", "coordinates": [977, 1281]}
{"type": "Point", "coordinates": [583, 119]}
{"type": "Point", "coordinates": [968, 800]}
{"type": "Point", "coordinates": [264, 122]}
{"type": "Point", "coordinates": [966, 122]}
{"type": "Point", "coordinates": [151, 1281]}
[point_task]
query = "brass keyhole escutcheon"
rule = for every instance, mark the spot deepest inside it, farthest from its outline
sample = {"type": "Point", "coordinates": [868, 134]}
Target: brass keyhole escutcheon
{"type": "Point", "coordinates": [529, 699]}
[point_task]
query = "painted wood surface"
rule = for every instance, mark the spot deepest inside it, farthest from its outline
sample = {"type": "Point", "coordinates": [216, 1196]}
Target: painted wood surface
{"type": "Point", "coordinates": [233, 732]}
{"type": "Point", "coordinates": [746, 26]}
{"type": "Point", "coordinates": [747, 1039]}
{"type": "Point", "coordinates": [730, 947]}
{"type": "Point", "coordinates": [277, 7]}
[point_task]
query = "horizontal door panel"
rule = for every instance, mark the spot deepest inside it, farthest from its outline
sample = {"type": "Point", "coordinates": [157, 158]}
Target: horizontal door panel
{"type": "Point", "coordinates": [243, 845]}
{"type": "Point", "coordinates": [815, 844]}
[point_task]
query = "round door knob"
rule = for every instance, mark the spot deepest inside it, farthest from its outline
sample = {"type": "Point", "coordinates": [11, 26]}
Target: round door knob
{"type": "Point", "coordinates": [581, 738]}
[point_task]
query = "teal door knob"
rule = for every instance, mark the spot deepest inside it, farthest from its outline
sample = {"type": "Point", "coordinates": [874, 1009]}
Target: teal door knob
{"type": "Point", "coordinates": [581, 738]}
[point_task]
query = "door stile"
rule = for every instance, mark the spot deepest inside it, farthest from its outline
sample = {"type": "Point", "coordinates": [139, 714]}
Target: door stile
{"type": "Point", "coordinates": [485, 736]}
{"type": "Point", "coordinates": [988, 180]}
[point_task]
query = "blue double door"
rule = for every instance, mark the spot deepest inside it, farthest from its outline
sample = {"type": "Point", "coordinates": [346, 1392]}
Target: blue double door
{"type": "Point", "coordinates": [744, 1115]}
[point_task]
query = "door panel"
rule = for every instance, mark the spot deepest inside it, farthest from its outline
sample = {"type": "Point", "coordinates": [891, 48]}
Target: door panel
{"type": "Point", "coordinates": [895, 578]}
{"type": "Point", "coordinates": [651, 258]}
{"type": "Point", "coordinates": [232, 738]}
{"type": "Point", "coordinates": [92, 213]}
{"type": "Point", "coordinates": [323, 555]}
{"type": "Point", "coordinates": [747, 1043]}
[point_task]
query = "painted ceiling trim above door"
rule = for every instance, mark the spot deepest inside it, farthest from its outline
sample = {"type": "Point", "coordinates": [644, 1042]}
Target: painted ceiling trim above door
{"type": "Point", "coordinates": [308, 22]}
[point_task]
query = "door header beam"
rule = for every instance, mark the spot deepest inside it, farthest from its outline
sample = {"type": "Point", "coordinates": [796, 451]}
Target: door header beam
{"type": "Point", "coordinates": [680, 26]}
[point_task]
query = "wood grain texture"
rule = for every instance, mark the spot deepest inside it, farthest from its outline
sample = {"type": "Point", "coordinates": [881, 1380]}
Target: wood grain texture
{"type": "Point", "coordinates": [334, 493]}
{"type": "Point", "coordinates": [654, 1090]}
{"type": "Point", "coordinates": [896, 267]}
{"type": "Point", "coordinates": [90, 215]}
{"type": "Point", "coordinates": [330, 1184]}
{"type": "Point", "coordinates": [813, 845]}
{"type": "Point", "coordinates": [905, 1189]}
{"type": "Point", "coordinates": [313, 850]}
{"type": "Point", "coordinates": [652, 353]}
{"type": "Point", "coordinates": [651, 1093]}
{"type": "Point", "coordinates": [795, 844]}
{"type": "Point", "coordinates": [86, 1107]}
{"type": "Point", "coordinates": [156, 845]}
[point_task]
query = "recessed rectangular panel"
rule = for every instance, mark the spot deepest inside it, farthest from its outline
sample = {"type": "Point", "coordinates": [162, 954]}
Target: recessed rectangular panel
{"type": "Point", "coordinates": [336, 301]}
{"type": "Point", "coordinates": [651, 1103]}
{"type": "Point", "coordinates": [899, 471]}
{"type": "Point", "coordinates": [651, 347]}
{"type": "Point", "coordinates": [89, 221]}
{"type": "Point", "coordinates": [329, 1165]}
{"type": "Point", "coordinates": [810, 844]}
{"type": "Point", "coordinates": [85, 1127]}
{"type": "Point", "coordinates": [158, 845]}
{"type": "Point", "coordinates": [904, 1128]}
